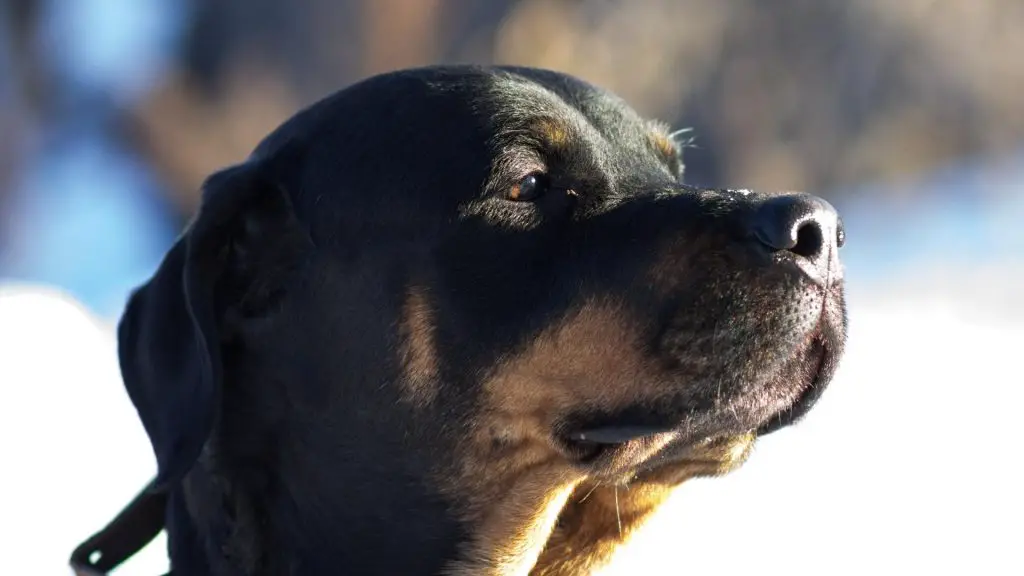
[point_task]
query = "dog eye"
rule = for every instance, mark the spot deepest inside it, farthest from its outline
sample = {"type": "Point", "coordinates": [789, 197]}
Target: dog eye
{"type": "Point", "coordinates": [530, 188]}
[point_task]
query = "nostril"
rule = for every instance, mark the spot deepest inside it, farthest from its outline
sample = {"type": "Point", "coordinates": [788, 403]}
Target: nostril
{"type": "Point", "coordinates": [809, 239]}
{"type": "Point", "coordinates": [801, 224]}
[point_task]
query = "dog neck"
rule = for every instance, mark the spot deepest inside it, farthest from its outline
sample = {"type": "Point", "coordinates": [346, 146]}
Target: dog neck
{"type": "Point", "coordinates": [506, 538]}
{"type": "Point", "coordinates": [540, 525]}
{"type": "Point", "coordinates": [573, 531]}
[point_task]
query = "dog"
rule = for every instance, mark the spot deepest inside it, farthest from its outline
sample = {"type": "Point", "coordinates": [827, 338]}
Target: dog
{"type": "Point", "coordinates": [437, 320]}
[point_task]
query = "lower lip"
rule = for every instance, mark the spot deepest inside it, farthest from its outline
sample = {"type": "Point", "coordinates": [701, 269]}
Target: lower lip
{"type": "Point", "coordinates": [810, 393]}
{"type": "Point", "coordinates": [618, 455]}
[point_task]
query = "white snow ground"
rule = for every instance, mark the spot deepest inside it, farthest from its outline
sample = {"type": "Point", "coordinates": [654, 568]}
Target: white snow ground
{"type": "Point", "coordinates": [73, 451]}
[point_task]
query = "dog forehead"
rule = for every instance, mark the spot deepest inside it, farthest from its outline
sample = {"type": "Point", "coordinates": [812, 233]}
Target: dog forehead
{"type": "Point", "coordinates": [398, 147]}
{"type": "Point", "coordinates": [395, 103]}
{"type": "Point", "coordinates": [427, 100]}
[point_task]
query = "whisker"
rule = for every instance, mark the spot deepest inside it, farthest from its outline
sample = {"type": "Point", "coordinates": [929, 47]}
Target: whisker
{"type": "Point", "coordinates": [732, 408]}
{"type": "Point", "coordinates": [687, 142]}
{"type": "Point", "coordinates": [587, 495]}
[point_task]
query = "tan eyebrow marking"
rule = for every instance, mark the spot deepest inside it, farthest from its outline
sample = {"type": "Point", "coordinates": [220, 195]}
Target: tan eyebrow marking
{"type": "Point", "coordinates": [664, 144]}
{"type": "Point", "coordinates": [554, 132]}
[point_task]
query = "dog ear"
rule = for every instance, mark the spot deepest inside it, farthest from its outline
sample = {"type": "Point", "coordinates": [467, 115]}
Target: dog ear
{"type": "Point", "coordinates": [229, 263]}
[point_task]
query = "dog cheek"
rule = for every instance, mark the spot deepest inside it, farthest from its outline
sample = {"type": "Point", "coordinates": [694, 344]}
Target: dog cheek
{"type": "Point", "coordinates": [511, 480]}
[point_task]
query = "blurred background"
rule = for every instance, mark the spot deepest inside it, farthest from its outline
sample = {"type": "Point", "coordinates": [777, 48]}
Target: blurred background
{"type": "Point", "coordinates": [907, 115]}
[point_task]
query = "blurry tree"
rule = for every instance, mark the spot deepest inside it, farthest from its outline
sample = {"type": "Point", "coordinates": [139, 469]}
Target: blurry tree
{"type": "Point", "coordinates": [19, 90]}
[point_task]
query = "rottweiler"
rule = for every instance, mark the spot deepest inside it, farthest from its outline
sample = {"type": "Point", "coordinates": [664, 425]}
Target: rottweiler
{"type": "Point", "coordinates": [463, 320]}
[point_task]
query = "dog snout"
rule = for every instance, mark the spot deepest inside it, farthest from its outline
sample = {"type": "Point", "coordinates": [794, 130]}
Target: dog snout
{"type": "Point", "coordinates": [802, 225]}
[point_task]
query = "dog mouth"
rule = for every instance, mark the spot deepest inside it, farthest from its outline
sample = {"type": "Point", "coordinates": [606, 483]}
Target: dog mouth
{"type": "Point", "coordinates": [629, 435]}
{"type": "Point", "coordinates": [820, 359]}
{"type": "Point", "coordinates": [615, 447]}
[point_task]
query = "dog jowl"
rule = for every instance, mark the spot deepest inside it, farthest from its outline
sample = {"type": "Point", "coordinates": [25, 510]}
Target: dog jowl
{"type": "Point", "coordinates": [437, 320]}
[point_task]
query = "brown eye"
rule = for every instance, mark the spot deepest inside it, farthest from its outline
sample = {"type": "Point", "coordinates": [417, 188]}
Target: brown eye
{"type": "Point", "coordinates": [530, 188]}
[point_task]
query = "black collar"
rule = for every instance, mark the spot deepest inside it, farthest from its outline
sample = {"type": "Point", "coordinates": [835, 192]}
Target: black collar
{"type": "Point", "coordinates": [128, 533]}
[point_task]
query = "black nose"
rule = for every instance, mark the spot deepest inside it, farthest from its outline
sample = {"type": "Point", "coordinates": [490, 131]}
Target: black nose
{"type": "Point", "coordinates": [801, 224]}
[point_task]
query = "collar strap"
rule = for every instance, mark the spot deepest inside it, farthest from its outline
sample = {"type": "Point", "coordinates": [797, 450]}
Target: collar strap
{"type": "Point", "coordinates": [128, 533]}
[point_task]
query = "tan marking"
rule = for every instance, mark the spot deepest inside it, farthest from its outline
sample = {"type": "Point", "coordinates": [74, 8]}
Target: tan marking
{"type": "Point", "coordinates": [515, 529]}
{"type": "Point", "coordinates": [593, 358]}
{"type": "Point", "coordinates": [513, 480]}
{"type": "Point", "coordinates": [599, 520]}
{"type": "Point", "coordinates": [418, 351]}
{"type": "Point", "coordinates": [594, 525]}
{"type": "Point", "coordinates": [554, 132]}
{"type": "Point", "coordinates": [708, 459]}
{"type": "Point", "coordinates": [664, 144]}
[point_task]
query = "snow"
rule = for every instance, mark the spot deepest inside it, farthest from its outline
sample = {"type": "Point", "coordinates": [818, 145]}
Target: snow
{"type": "Point", "coordinates": [73, 449]}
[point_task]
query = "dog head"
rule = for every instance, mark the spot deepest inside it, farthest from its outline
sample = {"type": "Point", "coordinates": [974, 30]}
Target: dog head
{"type": "Point", "coordinates": [430, 306]}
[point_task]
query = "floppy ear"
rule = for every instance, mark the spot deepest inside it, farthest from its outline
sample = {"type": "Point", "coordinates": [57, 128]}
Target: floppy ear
{"type": "Point", "coordinates": [231, 261]}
